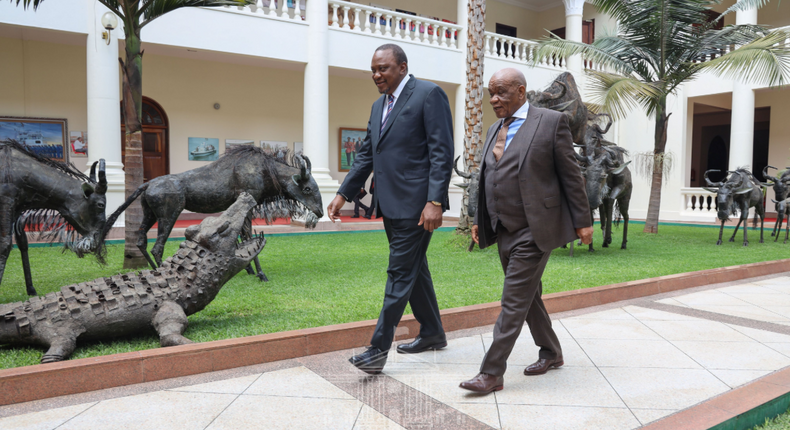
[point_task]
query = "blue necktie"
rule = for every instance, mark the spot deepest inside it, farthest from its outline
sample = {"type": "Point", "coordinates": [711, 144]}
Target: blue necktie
{"type": "Point", "coordinates": [390, 104]}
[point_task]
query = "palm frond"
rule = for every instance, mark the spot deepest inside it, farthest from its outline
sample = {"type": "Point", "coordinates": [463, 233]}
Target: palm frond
{"type": "Point", "coordinates": [618, 94]}
{"type": "Point", "coordinates": [27, 3]}
{"type": "Point", "coordinates": [765, 60]}
{"type": "Point", "coordinates": [152, 9]}
{"type": "Point", "coordinates": [554, 47]}
{"type": "Point", "coordinates": [745, 5]}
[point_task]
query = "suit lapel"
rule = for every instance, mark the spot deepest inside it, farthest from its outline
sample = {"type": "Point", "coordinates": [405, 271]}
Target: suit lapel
{"type": "Point", "coordinates": [402, 99]}
{"type": "Point", "coordinates": [527, 132]}
{"type": "Point", "coordinates": [376, 122]}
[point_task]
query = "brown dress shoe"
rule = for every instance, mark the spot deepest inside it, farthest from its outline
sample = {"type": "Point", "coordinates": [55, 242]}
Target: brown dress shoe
{"type": "Point", "coordinates": [543, 365]}
{"type": "Point", "coordinates": [484, 383]}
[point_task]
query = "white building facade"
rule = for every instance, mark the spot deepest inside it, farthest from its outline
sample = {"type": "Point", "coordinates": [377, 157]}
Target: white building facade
{"type": "Point", "coordinates": [299, 71]}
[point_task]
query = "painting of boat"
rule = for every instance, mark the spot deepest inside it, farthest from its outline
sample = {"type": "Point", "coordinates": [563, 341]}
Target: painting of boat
{"type": "Point", "coordinates": [203, 149]}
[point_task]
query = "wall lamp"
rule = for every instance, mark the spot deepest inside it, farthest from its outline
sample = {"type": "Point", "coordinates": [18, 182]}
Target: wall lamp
{"type": "Point", "coordinates": [109, 22]}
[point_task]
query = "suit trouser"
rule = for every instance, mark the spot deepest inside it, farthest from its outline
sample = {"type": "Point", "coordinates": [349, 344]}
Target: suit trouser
{"type": "Point", "coordinates": [523, 263]}
{"type": "Point", "coordinates": [408, 281]}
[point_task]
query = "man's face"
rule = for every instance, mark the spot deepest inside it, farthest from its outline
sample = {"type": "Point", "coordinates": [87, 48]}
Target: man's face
{"type": "Point", "coordinates": [506, 97]}
{"type": "Point", "coordinates": [387, 73]}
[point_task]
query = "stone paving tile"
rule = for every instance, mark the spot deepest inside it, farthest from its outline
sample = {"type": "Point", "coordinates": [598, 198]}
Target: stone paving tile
{"type": "Point", "coordinates": [736, 378]}
{"type": "Point", "coordinates": [636, 353]}
{"type": "Point", "coordinates": [610, 314]}
{"type": "Point", "coordinates": [439, 381]}
{"type": "Point", "coordinates": [160, 410]}
{"type": "Point", "coordinates": [663, 388]}
{"type": "Point", "coordinates": [649, 415]}
{"type": "Point", "coordinates": [645, 314]}
{"type": "Point", "coordinates": [484, 412]}
{"type": "Point", "coordinates": [275, 413]}
{"type": "Point", "coordinates": [532, 417]}
{"type": "Point", "coordinates": [44, 420]}
{"type": "Point", "coordinates": [746, 311]}
{"type": "Point", "coordinates": [781, 301]}
{"type": "Point", "coordinates": [733, 355]}
{"type": "Point", "coordinates": [748, 289]}
{"type": "Point", "coordinates": [710, 298]}
{"type": "Point", "coordinates": [295, 382]}
{"type": "Point", "coordinates": [671, 301]}
{"type": "Point", "coordinates": [568, 386]}
{"type": "Point", "coordinates": [609, 329]}
{"type": "Point", "coordinates": [696, 330]}
{"type": "Point", "coordinates": [465, 350]}
{"type": "Point", "coordinates": [761, 335]}
{"type": "Point", "coordinates": [228, 386]}
{"type": "Point", "coordinates": [369, 419]}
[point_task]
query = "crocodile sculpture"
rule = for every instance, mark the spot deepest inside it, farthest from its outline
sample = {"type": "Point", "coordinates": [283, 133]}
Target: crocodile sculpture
{"type": "Point", "coordinates": [126, 304]}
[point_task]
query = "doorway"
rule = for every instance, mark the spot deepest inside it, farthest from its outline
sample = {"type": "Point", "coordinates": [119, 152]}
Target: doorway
{"type": "Point", "coordinates": [156, 140]}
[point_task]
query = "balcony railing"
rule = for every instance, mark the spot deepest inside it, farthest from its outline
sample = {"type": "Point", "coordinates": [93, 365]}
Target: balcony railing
{"type": "Point", "coordinates": [398, 26]}
{"type": "Point", "coordinates": [287, 10]}
{"type": "Point", "coordinates": [698, 202]}
{"type": "Point", "coordinates": [519, 50]}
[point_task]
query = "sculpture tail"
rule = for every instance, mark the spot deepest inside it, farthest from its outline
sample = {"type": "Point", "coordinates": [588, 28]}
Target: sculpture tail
{"type": "Point", "coordinates": [114, 217]}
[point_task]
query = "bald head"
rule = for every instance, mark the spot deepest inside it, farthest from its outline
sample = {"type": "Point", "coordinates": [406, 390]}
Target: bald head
{"type": "Point", "coordinates": [507, 88]}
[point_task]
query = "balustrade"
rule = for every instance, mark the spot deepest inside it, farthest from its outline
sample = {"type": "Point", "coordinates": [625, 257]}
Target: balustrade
{"type": "Point", "coordinates": [291, 10]}
{"type": "Point", "coordinates": [698, 201]}
{"type": "Point", "coordinates": [398, 26]}
{"type": "Point", "coordinates": [519, 50]}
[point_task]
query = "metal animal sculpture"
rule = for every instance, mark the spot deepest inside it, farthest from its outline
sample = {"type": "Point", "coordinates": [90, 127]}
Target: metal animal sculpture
{"type": "Point", "coordinates": [781, 188]}
{"type": "Point", "coordinates": [282, 187]}
{"type": "Point", "coordinates": [738, 193]}
{"type": "Point", "coordinates": [471, 187]}
{"type": "Point", "coordinates": [563, 95]}
{"type": "Point", "coordinates": [127, 304]}
{"type": "Point", "coordinates": [608, 183]}
{"type": "Point", "coordinates": [782, 211]}
{"type": "Point", "coordinates": [56, 199]}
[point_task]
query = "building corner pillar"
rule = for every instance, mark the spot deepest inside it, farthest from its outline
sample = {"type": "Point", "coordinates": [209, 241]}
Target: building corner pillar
{"type": "Point", "coordinates": [574, 10]}
{"type": "Point", "coordinates": [742, 129]}
{"type": "Point", "coordinates": [104, 105]}
{"type": "Point", "coordinates": [316, 100]}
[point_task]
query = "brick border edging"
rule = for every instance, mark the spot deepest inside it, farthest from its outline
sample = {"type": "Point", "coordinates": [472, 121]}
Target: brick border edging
{"type": "Point", "coordinates": [43, 381]}
{"type": "Point", "coordinates": [732, 409]}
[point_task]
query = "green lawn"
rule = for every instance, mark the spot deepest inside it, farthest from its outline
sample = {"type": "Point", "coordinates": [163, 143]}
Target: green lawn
{"type": "Point", "coordinates": [330, 278]}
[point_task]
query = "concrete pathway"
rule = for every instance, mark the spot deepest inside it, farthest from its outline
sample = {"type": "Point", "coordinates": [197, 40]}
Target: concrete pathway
{"type": "Point", "coordinates": [626, 364]}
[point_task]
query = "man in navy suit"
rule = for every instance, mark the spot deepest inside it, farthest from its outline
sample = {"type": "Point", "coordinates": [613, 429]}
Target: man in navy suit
{"type": "Point", "coordinates": [409, 146]}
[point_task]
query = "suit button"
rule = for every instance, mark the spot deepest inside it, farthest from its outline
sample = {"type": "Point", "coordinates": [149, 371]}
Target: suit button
{"type": "Point", "coordinates": [378, 151]}
{"type": "Point", "coordinates": [494, 185]}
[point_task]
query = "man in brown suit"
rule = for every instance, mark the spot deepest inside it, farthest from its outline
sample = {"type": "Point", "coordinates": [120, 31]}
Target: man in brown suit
{"type": "Point", "coordinates": [532, 200]}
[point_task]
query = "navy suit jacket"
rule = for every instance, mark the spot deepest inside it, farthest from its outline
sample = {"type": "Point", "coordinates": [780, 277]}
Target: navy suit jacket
{"type": "Point", "coordinates": [412, 158]}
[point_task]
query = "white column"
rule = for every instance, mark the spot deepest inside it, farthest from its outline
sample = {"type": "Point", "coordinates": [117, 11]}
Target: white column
{"type": "Point", "coordinates": [742, 129]}
{"type": "Point", "coordinates": [457, 194]}
{"type": "Point", "coordinates": [316, 100]}
{"type": "Point", "coordinates": [104, 105]}
{"type": "Point", "coordinates": [573, 32]}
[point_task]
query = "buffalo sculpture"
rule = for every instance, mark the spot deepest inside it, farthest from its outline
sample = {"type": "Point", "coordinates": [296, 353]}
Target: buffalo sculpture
{"type": "Point", "coordinates": [283, 187]}
{"type": "Point", "coordinates": [739, 192]}
{"type": "Point", "coordinates": [55, 199]}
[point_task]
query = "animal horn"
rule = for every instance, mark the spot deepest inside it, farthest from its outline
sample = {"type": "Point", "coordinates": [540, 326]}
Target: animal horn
{"type": "Point", "coordinates": [308, 165]}
{"type": "Point", "coordinates": [609, 124]}
{"type": "Point", "coordinates": [93, 171]}
{"type": "Point", "coordinates": [708, 181]}
{"type": "Point", "coordinates": [580, 158]}
{"type": "Point", "coordinates": [102, 187]}
{"type": "Point", "coordinates": [460, 173]}
{"type": "Point", "coordinates": [562, 92]}
{"type": "Point", "coordinates": [766, 176]}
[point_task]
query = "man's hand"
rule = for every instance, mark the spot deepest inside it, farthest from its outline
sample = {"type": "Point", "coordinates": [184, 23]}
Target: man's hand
{"type": "Point", "coordinates": [585, 234]}
{"type": "Point", "coordinates": [333, 210]}
{"type": "Point", "coordinates": [431, 217]}
{"type": "Point", "coordinates": [475, 234]}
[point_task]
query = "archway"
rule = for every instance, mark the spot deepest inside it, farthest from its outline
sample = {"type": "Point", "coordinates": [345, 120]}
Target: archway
{"type": "Point", "coordinates": [156, 140]}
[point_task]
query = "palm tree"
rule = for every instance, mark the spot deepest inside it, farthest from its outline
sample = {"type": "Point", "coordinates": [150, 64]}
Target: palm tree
{"type": "Point", "coordinates": [135, 14]}
{"type": "Point", "coordinates": [473, 138]}
{"type": "Point", "coordinates": [662, 44]}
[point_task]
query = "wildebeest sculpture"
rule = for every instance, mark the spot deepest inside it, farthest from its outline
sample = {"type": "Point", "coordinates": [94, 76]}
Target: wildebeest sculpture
{"type": "Point", "coordinates": [608, 183]}
{"type": "Point", "coordinates": [471, 184]}
{"type": "Point", "coordinates": [53, 198]}
{"type": "Point", "coordinates": [738, 193]}
{"type": "Point", "coordinates": [781, 186]}
{"type": "Point", "coordinates": [282, 186]}
{"type": "Point", "coordinates": [563, 95]}
{"type": "Point", "coordinates": [782, 212]}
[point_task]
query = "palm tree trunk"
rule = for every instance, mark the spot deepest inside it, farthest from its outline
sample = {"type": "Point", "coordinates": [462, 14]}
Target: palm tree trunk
{"type": "Point", "coordinates": [473, 139]}
{"type": "Point", "coordinates": [654, 206]}
{"type": "Point", "coordinates": [133, 161]}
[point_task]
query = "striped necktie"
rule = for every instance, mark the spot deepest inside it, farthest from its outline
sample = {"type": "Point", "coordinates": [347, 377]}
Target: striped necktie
{"type": "Point", "coordinates": [390, 104]}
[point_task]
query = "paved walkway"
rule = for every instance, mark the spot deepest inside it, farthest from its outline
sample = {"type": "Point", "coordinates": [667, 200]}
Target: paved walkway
{"type": "Point", "coordinates": [626, 364]}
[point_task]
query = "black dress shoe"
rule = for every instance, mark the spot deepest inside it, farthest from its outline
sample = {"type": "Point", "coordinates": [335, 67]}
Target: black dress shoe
{"type": "Point", "coordinates": [366, 216]}
{"type": "Point", "coordinates": [355, 216]}
{"type": "Point", "coordinates": [423, 344]}
{"type": "Point", "coordinates": [371, 361]}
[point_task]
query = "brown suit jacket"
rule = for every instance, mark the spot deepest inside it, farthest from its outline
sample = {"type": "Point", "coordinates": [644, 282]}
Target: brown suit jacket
{"type": "Point", "coordinates": [550, 183]}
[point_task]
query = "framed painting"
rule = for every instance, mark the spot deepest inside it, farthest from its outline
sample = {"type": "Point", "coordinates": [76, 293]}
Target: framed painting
{"type": "Point", "coordinates": [229, 143]}
{"type": "Point", "coordinates": [203, 149]}
{"type": "Point", "coordinates": [349, 143]}
{"type": "Point", "coordinates": [44, 136]}
{"type": "Point", "coordinates": [78, 144]}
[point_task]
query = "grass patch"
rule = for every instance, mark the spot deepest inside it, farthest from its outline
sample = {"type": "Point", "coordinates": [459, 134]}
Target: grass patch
{"type": "Point", "coordinates": [781, 422]}
{"type": "Point", "coordinates": [323, 279]}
